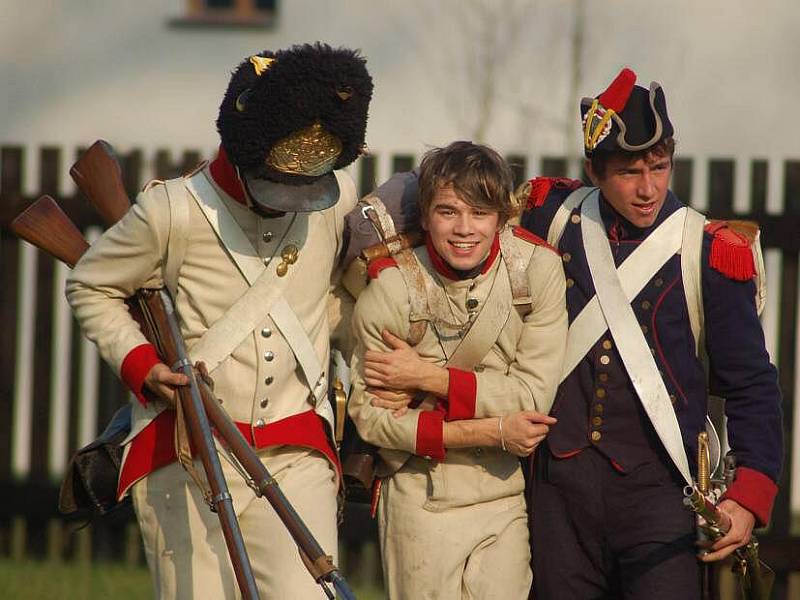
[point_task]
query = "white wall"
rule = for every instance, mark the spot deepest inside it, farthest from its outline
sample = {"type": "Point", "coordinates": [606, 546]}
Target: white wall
{"type": "Point", "coordinates": [74, 71]}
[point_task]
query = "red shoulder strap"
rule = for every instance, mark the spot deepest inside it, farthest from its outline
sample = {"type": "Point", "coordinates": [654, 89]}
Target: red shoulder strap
{"type": "Point", "coordinates": [730, 251]}
{"type": "Point", "coordinates": [524, 234]}
{"type": "Point", "coordinates": [379, 264]}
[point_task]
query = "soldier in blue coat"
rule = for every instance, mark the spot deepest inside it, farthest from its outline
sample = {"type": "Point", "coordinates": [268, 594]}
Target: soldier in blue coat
{"type": "Point", "coordinates": [606, 497]}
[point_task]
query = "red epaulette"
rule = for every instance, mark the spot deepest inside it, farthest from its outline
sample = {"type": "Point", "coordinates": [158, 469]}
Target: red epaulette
{"type": "Point", "coordinates": [379, 264]}
{"type": "Point", "coordinates": [540, 187]}
{"type": "Point", "coordinates": [730, 253]}
{"type": "Point", "coordinates": [524, 234]}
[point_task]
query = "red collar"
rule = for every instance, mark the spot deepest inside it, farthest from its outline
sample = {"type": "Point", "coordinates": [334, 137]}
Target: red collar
{"type": "Point", "coordinates": [446, 270]}
{"type": "Point", "coordinates": [225, 176]}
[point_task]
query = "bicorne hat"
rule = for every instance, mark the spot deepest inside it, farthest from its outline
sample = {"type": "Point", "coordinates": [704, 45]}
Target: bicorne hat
{"type": "Point", "coordinates": [625, 117]}
{"type": "Point", "coordinates": [289, 118]}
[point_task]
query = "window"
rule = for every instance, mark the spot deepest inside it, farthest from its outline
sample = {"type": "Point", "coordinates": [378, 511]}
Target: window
{"type": "Point", "coordinates": [228, 13]}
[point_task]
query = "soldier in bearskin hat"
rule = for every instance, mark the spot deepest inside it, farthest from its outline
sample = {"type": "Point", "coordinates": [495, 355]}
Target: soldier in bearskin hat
{"type": "Point", "coordinates": [651, 287]}
{"type": "Point", "coordinates": [263, 218]}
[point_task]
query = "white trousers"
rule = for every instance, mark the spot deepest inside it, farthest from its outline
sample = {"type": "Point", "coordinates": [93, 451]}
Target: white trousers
{"type": "Point", "coordinates": [477, 551]}
{"type": "Point", "coordinates": [183, 541]}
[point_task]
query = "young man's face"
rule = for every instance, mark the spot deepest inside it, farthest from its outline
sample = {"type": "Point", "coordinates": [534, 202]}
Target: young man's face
{"type": "Point", "coordinates": [462, 234]}
{"type": "Point", "coordinates": [635, 188]}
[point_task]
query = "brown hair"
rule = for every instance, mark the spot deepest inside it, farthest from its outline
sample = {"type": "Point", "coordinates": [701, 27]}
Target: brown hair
{"type": "Point", "coordinates": [478, 174]}
{"type": "Point", "coordinates": [600, 160]}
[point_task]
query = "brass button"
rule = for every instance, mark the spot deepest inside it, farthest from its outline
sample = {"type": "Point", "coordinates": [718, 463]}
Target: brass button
{"type": "Point", "coordinates": [645, 329]}
{"type": "Point", "coordinates": [269, 356]}
{"type": "Point", "coordinates": [596, 436]}
{"type": "Point", "coordinates": [264, 403]}
{"type": "Point", "coordinates": [566, 257]}
{"type": "Point", "coordinates": [575, 219]}
{"type": "Point", "coordinates": [600, 393]}
{"type": "Point", "coordinates": [269, 380]}
{"type": "Point", "coordinates": [261, 423]}
{"type": "Point", "coordinates": [604, 360]}
{"type": "Point", "coordinates": [659, 282]}
{"type": "Point", "coordinates": [646, 305]}
{"type": "Point", "coordinates": [598, 408]}
{"type": "Point", "coordinates": [570, 282]}
{"type": "Point", "coordinates": [472, 303]}
{"type": "Point", "coordinates": [674, 399]}
{"type": "Point", "coordinates": [597, 421]}
{"type": "Point", "coordinates": [266, 332]}
{"type": "Point", "coordinates": [267, 236]}
{"type": "Point", "coordinates": [603, 377]}
{"type": "Point", "coordinates": [607, 344]}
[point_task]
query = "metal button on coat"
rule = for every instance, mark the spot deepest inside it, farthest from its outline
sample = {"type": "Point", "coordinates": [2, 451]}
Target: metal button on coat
{"type": "Point", "coordinates": [659, 282]}
{"type": "Point", "coordinates": [604, 360]}
{"type": "Point", "coordinates": [269, 380]}
{"type": "Point", "coordinates": [266, 260]}
{"type": "Point", "coordinates": [260, 423]}
{"type": "Point", "coordinates": [645, 329]}
{"type": "Point", "coordinates": [264, 403]}
{"type": "Point", "coordinates": [566, 257]}
{"type": "Point", "coordinates": [472, 303]}
{"type": "Point", "coordinates": [603, 377]}
{"type": "Point", "coordinates": [267, 236]}
{"type": "Point", "coordinates": [598, 408]}
{"type": "Point", "coordinates": [600, 393]}
{"type": "Point", "coordinates": [570, 282]}
{"type": "Point", "coordinates": [596, 435]}
{"type": "Point", "coordinates": [266, 332]}
{"type": "Point", "coordinates": [575, 219]}
{"type": "Point", "coordinates": [269, 355]}
{"type": "Point", "coordinates": [597, 421]}
{"type": "Point", "coordinates": [646, 305]}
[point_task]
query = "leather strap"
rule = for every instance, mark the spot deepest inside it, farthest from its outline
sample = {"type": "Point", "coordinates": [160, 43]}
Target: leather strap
{"type": "Point", "coordinates": [628, 336]}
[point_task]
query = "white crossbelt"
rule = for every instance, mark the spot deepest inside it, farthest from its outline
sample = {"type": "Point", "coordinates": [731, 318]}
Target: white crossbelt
{"type": "Point", "coordinates": [264, 296]}
{"type": "Point", "coordinates": [614, 293]}
{"type": "Point", "coordinates": [633, 274]}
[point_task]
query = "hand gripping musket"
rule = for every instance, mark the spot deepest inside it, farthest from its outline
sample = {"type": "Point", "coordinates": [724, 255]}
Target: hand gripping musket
{"type": "Point", "coordinates": [46, 226]}
{"type": "Point", "coordinates": [754, 578]}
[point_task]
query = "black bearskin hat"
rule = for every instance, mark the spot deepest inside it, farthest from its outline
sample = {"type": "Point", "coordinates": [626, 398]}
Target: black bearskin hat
{"type": "Point", "coordinates": [289, 118]}
{"type": "Point", "coordinates": [626, 117]}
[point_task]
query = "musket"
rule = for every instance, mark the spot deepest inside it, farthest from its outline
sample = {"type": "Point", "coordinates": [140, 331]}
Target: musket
{"type": "Point", "coordinates": [754, 576]}
{"type": "Point", "coordinates": [45, 225]}
{"type": "Point", "coordinates": [98, 176]}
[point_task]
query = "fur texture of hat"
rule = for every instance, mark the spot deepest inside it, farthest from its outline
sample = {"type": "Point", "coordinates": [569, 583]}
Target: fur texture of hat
{"type": "Point", "coordinates": [306, 84]}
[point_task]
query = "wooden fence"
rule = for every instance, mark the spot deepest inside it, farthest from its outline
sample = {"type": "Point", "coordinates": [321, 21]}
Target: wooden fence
{"type": "Point", "coordinates": [56, 395]}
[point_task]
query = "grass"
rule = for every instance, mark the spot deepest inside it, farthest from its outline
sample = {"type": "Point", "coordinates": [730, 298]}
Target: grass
{"type": "Point", "coordinates": [35, 580]}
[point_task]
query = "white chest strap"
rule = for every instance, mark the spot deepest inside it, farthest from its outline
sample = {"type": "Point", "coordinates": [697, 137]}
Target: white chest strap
{"type": "Point", "coordinates": [633, 274]}
{"type": "Point", "coordinates": [265, 296]}
{"type": "Point", "coordinates": [631, 344]}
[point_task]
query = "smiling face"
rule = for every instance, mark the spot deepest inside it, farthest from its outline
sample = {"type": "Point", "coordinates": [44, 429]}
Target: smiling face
{"type": "Point", "coordinates": [635, 187]}
{"type": "Point", "coordinates": [460, 233]}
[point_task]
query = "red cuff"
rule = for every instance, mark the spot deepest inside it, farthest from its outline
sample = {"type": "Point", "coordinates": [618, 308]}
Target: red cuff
{"type": "Point", "coordinates": [136, 366]}
{"type": "Point", "coordinates": [430, 430]}
{"type": "Point", "coordinates": [754, 491]}
{"type": "Point", "coordinates": [462, 389]}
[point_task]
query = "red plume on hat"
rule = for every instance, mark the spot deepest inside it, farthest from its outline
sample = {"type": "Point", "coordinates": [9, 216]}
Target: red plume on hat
{"type": "Point", "coordinates": [637, 115]}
